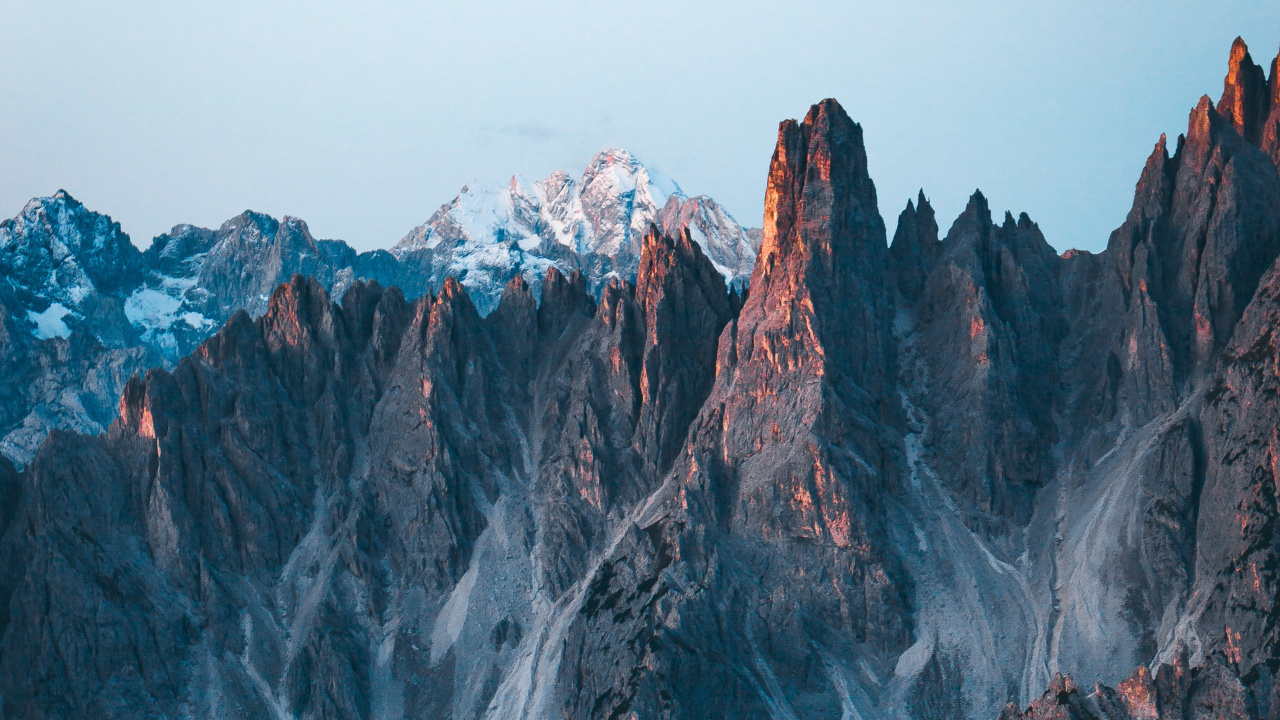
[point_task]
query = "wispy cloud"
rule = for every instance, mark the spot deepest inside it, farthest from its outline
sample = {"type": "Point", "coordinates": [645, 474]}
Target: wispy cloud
{"type": "Point", "coordinates": [532, 132]}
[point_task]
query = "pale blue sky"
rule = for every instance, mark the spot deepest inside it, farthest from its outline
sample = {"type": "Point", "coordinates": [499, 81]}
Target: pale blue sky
{"type": "Point", "coordinates": [362, 118]}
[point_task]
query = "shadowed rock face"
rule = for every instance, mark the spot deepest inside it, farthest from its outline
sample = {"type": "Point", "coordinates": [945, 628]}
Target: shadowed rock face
{"type": "Point", "coordinates": [989, 323]}
{"type": "Point", "coordinates": [915, 247]}
{"type": "Point", "coordinates": [957, 478]}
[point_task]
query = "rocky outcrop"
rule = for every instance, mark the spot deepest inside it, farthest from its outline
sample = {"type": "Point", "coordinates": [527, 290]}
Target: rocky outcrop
{"type": "Point", "coordinates": [1251, 102]}
{"type": "Point", "coordinates": [374, 450]}
{"type": "Point", "coordinates": [1235, 570]}
{"type": "Point", "coordinates": [730, 247]}
{"type": "Point", "coordinates": [685, 306]}
{"type": "Point", "coordinates": [56, 252]}
{"type": "Point", "coordinates": [1271, 127]}
{"type": "Point", "coordinates": [1172, 692]}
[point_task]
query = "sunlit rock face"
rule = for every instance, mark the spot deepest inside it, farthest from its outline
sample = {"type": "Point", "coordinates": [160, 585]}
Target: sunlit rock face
{"type": "Point", "coordinates": [956, 476]}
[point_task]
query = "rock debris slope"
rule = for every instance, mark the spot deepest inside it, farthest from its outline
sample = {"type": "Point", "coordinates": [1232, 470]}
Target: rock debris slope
{"type": "Point", "coordinates": [963, 477]}
{"type": "Point", "coordinates": [82, 309]}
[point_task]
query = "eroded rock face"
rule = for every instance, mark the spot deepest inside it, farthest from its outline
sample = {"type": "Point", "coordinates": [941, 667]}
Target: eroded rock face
{"type": "Point", "coordinates": [1271, 127]}
{"type": "Point", "coordinates": [1167, 357]}
{"type": "Point", "coordinates": [1236, 571]}
{"type": "Point", "coordinates": [956, 478]}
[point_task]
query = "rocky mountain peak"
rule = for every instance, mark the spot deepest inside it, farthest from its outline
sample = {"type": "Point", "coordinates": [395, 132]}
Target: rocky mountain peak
{"type": "Point", "coordinates": [298, 310]}
{"type": "Point", "coordinates": [1205, 131]}
{"type": "Point", "coordinates": [1271, 128]}
{"type": "Point", "coordinates": [818, 166]}
{"type": "Point", "coordinates": [819, 278]}
{"type": "Point", "coordinates": [915, 247]}
{"type": "Point", "coordinates": [70, 270]}
{"type": "Point", "coordinates": [252, 222]}
{"type": "Point", "coordinates": [1246, 95]}
{"type": "Point", "coordinates": [729, 247]}
{"type": "Point", "coordinates": [622, 172]}
{"type": "Point", "coordinates": [287, 232]}
{"type": "Point", "coordinates": [173, 252]}
{"type": "Point", "coordinates": [1161, 167]}
{"type": "Point", "coordinates": [58, 250]}
{"type": "Point", "coordinates": [516, 294]}
{"type": "Point", "coordinates": [563, 298]}
{"type": "Point", "coordinates": [667, 261]}
{"type": "Point", "coordinates": [684, 305]}
{"type": "Point", "coordinates": [818, 306]}
{"type": "Point", "coordinates": [1193, 245]}
{"type": "Point", "coordinates": [975, 219]}
{"type": "Point", "coordinates": [1221, 271]}
{"type": "Point", "coordinates": [1275, 81]}
{"type": "Point", "coordinates": [757, 474]}
{"type": "Point", "coordinates": [620, 197]}
{"type": "Point", "coordinates": [489, 233]}
{"type": "Point", "coordinates": [992, 294]}
{"type": "Point", "coordinates": [514, 324]}
{"type": "Point", "coordinates": [451, 291]}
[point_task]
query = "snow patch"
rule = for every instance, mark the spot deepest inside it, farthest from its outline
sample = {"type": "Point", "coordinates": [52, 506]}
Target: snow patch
{"type": "Point", "coordinates": [50, 324]}
{"type": "Point", "coordinates": [151, 309]}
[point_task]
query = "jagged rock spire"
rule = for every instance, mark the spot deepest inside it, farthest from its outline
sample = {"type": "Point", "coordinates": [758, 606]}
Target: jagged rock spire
{"type": "Point", "coordinates": [446, 516]}
{"type": "Point", "coordinates": [824, 252]}
{"type": "Point", "coordinates": [685, 305]}
{"type": "Point", "coordinates": [1271, 129]}
{"type": "Point", "coordinates": [915, 246]}
{"type": "Point", "coordinates": [820, 204]}
{"type": "Point", "coordinates": [1275, 81]}
{"type": "Point", "coordinates": [1246, 98]}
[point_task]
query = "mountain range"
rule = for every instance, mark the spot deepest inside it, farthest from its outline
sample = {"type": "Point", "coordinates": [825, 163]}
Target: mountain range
{"type": "Point", "coordinates": [946, 476]}
{"type": "Point", "coordinates": [83, 309]}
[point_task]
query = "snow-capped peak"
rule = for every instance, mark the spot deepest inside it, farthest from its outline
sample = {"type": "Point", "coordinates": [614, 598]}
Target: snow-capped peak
{"type": "Point", "coordinates": [63, 225]}
{"type": "Point", "coordinates": [600, 218]}
{"type": "Point", "coordinates": [627, 173]}
{"type": "Point", "coordinates": [605, 213]}
{"type": "Point", "coordinates": [620, 198]}
{"type": "Point", "coordinates": [481, 213]}
{"type": "Point", "coordinates": [56, 252]}
{"type": "Point", "coordinates": [251, 221]}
